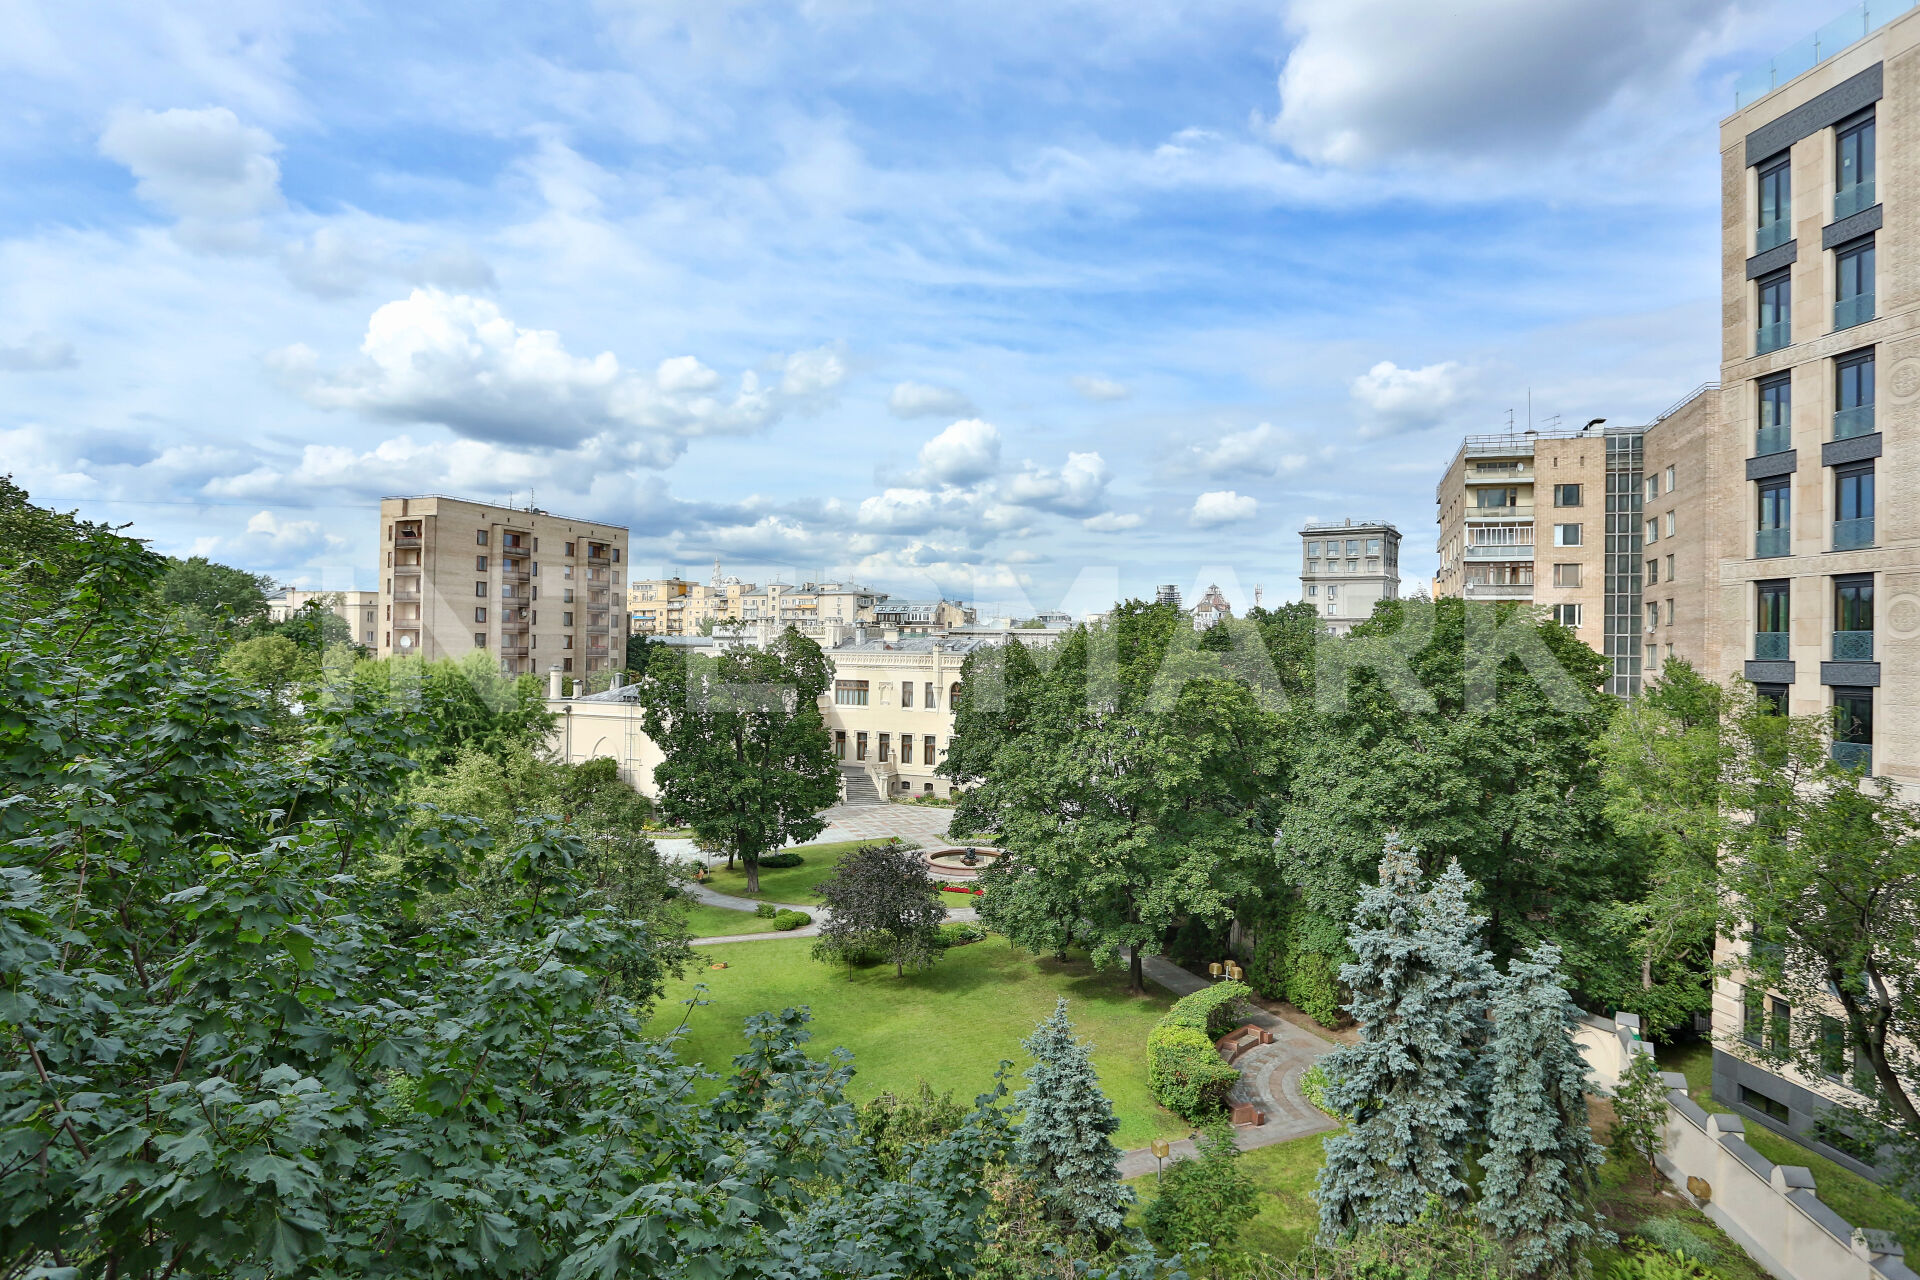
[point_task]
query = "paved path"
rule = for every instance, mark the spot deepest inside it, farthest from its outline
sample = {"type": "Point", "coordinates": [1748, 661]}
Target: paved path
{"type": "Point", "coordinates": [712, 898]}
{"type": "Point", "coordinates": [920, 823]}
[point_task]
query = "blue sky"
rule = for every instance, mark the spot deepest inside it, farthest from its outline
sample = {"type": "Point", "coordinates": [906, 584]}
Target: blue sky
{"type": "Point", "coordinates": [966, 299]}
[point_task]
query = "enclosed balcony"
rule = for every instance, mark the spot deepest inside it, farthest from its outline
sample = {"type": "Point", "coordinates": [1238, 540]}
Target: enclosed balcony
{"type": "Point", "coordinates": [1773, 439]}
{"type": "Point", "coordinates": [1857, 756]}
{"type": "Point", "coordinates": [1772, 646]}
{"type": "Point", "coordinates": [1851, 535]}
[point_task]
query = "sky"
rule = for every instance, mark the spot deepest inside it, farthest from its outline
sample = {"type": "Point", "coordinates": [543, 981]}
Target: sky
{"type": "Point", "coordinates": [1023, 303]}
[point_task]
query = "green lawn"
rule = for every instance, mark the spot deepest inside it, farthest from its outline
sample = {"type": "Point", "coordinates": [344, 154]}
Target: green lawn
{"type": "Point", "coordinates": [1288, 1215]}
{"type": "Point", "coordinates": [1860, 1201]}
{"type": "Point", "coordinates": [949, 1025]}
{"type": "Point", "coordinates": [786, 884]}
{"type": "Point", "coordinates": [704, 921]}
{"type": "Point", "coordinates": [951, 899]}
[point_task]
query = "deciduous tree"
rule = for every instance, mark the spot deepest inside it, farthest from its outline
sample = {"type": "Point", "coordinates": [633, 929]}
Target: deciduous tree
{"type": "Point", "coordinates": [880, 898]}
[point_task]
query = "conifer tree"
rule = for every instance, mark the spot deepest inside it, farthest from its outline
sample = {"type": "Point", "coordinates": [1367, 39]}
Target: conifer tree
{"type": "Point", "coordinates": [1540, 1163]}
{"type": "Point", "coordinates": [1065, 1141]}
{"type": "Point", "coordinates": [1419, 994]}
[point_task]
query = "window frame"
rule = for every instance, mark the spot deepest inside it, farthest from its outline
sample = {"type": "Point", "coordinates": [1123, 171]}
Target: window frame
{"type": "Point", "coordinates": [1777, 173]}
{"type": "Point", "coordinates": [1561, 490]}
{"type": "Point", "coordinates": [1560, 535]}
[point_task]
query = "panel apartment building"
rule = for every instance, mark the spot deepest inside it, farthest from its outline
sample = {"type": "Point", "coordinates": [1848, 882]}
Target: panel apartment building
{"type": "Point", "coordinates": [534, 589]}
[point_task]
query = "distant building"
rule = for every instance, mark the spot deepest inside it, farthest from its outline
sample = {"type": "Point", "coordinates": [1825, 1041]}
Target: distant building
{"type": "Point", "coordinates": [1210, 608]}
{"type": "Point", "coordinates": [1168, 594]}
{"type": "Point", "coordinates": [1347, 567]}
{"type": "Point", "coordinates": [360, 610]}
{"type": "Point", "coordinates": [681, 607]}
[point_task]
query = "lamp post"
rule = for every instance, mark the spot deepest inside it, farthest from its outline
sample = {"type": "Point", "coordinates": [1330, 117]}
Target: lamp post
{"type": "Point", "coordinates": [1161, 1148]}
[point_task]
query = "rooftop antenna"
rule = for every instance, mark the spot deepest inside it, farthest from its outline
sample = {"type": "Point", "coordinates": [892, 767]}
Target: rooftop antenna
{"type": "Point", "coordinates": [1529, 408]}
{"type": "Point", "coordinates": [1509, 422]}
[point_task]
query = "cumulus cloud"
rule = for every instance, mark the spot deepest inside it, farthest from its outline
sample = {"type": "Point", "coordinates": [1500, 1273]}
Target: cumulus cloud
{"type": "Point", "coordinates": [1393, 400]}
{"type": "Point", "coordinates": [965, 452]}
{"type": "Point", "coordinates": [923, 400]}
{"type": "Point", "coordinates": [39, 353]}
{"type": "Point", "coordinates": [1374, 80]}
{"type": "Point", "coordinates": [339, 260]}
{"type": "Point", "coordinates": [1094, 387]}
{"type": "Point", "coordinates": [1076, 489]}
{"type": "Point", "coordinates": [1255, 451]}
{"type": "Point", "coordinates": [1222, 506]}
{"type": "Point", "coordinates": [215, 174]}
{"type": "Point", "coordinates": [459, 361]}
{"type": "Point", "coordinates": [1113, 522]}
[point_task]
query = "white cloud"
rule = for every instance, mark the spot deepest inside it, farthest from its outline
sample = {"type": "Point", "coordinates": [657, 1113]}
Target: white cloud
{"type": "Point", "coordinates": [1094, 387]}
{"type": "Point", "coordinates": [1374, 80]}
{"type": "Point", "coordinates": [459, 361]}
{"type": "Point", "coordinates": [1113, 522]}
{"type": "Point", "coordinates": [966, 451]}
{"type": "Point", "coordinates": [1223, 506]}
{"type": "Point", "coordinates": [1395, 400]}
{"type": "Point", "coordinates": [1255, 451]}
{"type": "Point", "coordinates": [39, 353]}
{"type": "Point", "coordinates": [217, 175]}
{"type": "Point", "coordinates": [923, 400]}
{"type": "Point", "coordinates": [1077, 488]}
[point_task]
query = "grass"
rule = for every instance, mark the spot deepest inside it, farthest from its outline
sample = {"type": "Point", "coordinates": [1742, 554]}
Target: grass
{"type": "Point", "coordinates": [950, 1024]}
{"type": "Point", "coordinates": [786, 884]}
{"type": "Point", "coordinates": [1859, 1200]}
{"type": "Point", "coordinates": [1284, 1173]}
{"type": "Point", "coordinates": [705, 921]}
{"type": "Point", "coordinates": [951, 899]}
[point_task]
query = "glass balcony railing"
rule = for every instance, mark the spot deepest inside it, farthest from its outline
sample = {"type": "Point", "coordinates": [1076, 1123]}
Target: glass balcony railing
{"type": "Point", "coordinates": [1848, 201]}
{"type": "Point", "coordinates": [1857, 421]}
{"type": "Point", "coordinates": [1772, 646]}
{"type": "Point", "coordinates": [1853, 646]}
{"type": "Point", "coordinates": [1854, 755]}
{"type": "Point", "coordinates": [1848, 312]}
{"type": "Point", "coordinates": [1772, 235]}
{"type": "Point", "coordinates": [1851, 535]}
{"type": "Point", "coordinates": [1775, 439]}
{"type": "Point", "coordinates": [1772, 337]}
{"type": "Point", "coordinates": [1858, 21]}
{"type": "Point", "coordinates": [1768, 543]}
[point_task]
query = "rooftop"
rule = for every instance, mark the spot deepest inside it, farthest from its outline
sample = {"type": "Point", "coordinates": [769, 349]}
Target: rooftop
{"type": "Point", "coordinates": [494, 506]}
{"type": "Point", "coordinates": [1809, 51]}
{"type": "Point", "coordinates": [1317, 526]}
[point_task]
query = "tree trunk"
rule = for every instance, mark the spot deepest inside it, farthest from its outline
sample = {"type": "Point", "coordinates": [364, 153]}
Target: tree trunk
{"type": "Point", "coordinates": [1136, 973]}
{"type": "Point", "coordinates": [753, 872]}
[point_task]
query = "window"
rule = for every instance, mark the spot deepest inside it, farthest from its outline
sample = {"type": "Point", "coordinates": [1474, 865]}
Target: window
{"type": "Point", "coordinates": [926, 753]}
{"type": "Point", "coordinates": [1566, 495]}
{"type": "Point", "coordinates": [479, 564]}
{"type": "Point", "coordinates": [850, 693]}
{"type": "Point", "coordinates": [886, 747]}
{"type": "Point", "coordinates": [953, 695]}
{"type": "Point", "coordinates": [479, 639]}
{"type": "Point", "coordinates": [1484, 499]}
{"type": "Point", "coordinates": [1669, 479]}
{"type": "Point", "coordinates": [1853, 295]}
{"type": "Point", "coordinates": [1779, 1025]}
{"type": "Point", "coordinates": [1653, 614]}
{"type": "Point", "coordinates": [1776, 205]}
{"type": "Point", "coordinates": [1566, 575]}
{"type": "Point", "coordinates": [566, 617]}
{"type": "Point", "coordinates": [1653, 572]}
{"type": "Point", "coordinates": [480, 589]}
{"type": "Point", "coordinates": [1753, 1013]}
{"type": "Point", "coordinates": [1653, 529]}
{"type": "Point", "coordinates": [480, 537]}
{"type": "Point", "coordinates": [1567, 615]}
{"type": "Point", "coordinates": [1333, 592]}
{"type": "Point", "coordinates": [1771, 697]}
{"type": "Point", "coordinates": [1853, 618]}
{"type": "Point", "coordinates": [1670, 574]}
{"type": "Point", "coordinates": [839, 739]}
{"type": "Point", "coordinates": [1772, 1108]}
{"type": "Point", "coordinates": [1853, 727]}
{"type": "Point", "coordinates": [1833, 1047]}
{"type": "Point", "coordinates": [1853, 395]}
{"type": "Point", "coordinates": [1653, 488]}
{"type": "Point", "coordinates": [1373, 546]}
{"type": "Point", "coordinates": [1566, 535]}
{"type": "Point", "coordinates": [1653, 657]}
{"type": "Point", "coordinates": [926, 696]}
{"type": "Point", "coordinates": [1313, 548]}
{"type": "Point", "coordinates": [1312, 590]}
{"type": "Point", "coordinates": [1775, 434]}
{"type": "Point", "coordinates": [1353, 544]}
{"type": "Point", "coordinates": [480, 613]}
{"type": "Point", "coordinates": [1775, 528]}
{"type": "Point", "coordinates": [1772, 617]}
{"type": "Point", "coordinates": [1670, 519]}
{"type": "Point", "coordinates": [569, 547]}
{"type": "Point", "coordinates": [1853, 168]}
{"type": "Point", "coordinates": [906, 694]}
{"type": "Point", "coordinates": [860, 744]}
{"type": "Point", "coordinates": [1775, 313]}
{"type": "Point", "coordinates": [1669, 610]}
{"type": "Point", "coordinates": [1853, 506]}
{"type": "Point", "coordinates": [906, 748]}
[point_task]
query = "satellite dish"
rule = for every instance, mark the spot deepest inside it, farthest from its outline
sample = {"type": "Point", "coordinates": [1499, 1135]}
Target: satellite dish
{"type": "Point", "coordinates": [406, 642]}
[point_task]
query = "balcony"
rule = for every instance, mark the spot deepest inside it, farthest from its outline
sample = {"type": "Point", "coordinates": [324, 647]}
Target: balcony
{"type": "Point", "coordinates": [1848, 312]}
{"type": "Point", "coordinates": [1857, 421]}
{"type": "Point", "coordinates": [1772, 337]}
{"type": "Point", "coordinates": [1857, 756]}
{"type": "Point", "coordinates": [1853, 646]}
{"type": "Point", "coordinates": [1848, 201]}
{"type": "Point", "coordinates": [512, 648]}
{"type": "Point", "coordinates": [1518, 511]}
{"type": "Point", "coordinates": [598, 558]}
{"type": "Point", "coordinates": [515, 573]}
{"type": "Point", "coordinates": [1774, 439]}
{"type": "Point", "coordinates": [514, 625]}
{"type": "Point", "coordinates": [403, 538]}
{"type": "Point", "coordinates": [1498, 591]}
{"type": "Point", "coordinates": [1500, 552]}
{"type": "Point", "coordinates": [1851, 535]}
{"type": "Point", "coordinates": [1772, 646]}
{"type": "Point", "coordinates": [1768, 543]}
{"type": "Point", "coordinates": [406, 593]}
{"type": "Point", "coordinates": [1772, 235]}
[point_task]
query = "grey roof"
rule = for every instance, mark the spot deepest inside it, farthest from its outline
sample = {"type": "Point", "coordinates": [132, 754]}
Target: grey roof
{"type": "Point", "coordinates": [912, 644]}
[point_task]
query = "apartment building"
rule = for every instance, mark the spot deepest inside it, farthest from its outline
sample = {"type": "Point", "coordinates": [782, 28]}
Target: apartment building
{"type": "Point", "coordinates": [534, 589]}
{"type": "Point", "coordinates": [1682, 503]}
{"type": "Point", "coordinates": [810, 607]}
{"type": "Point", "coordinates": [1347, 567]}
{"type": "Point", "coordinates": [360, 610]}
{"type": "Point", "coordinates": [681, 607]}
{"type": "Point", "coordinates": [921, 616]}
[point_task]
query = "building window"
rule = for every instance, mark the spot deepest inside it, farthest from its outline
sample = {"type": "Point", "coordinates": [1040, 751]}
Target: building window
{"type": "Point", "coordinates": [886, 747]}
{"type": "Point", "coordinates": [1312, 590]}
{"type": "Point", "coordinates": [850, 693]}
{"type": "Point", "coordinates": [1753, 1016]}
{"type": "Point", "coordinates": [1653, 529]}
{"type": "Point", "coordinates": [1853, 168]}
{"type": "Point", "coordinates": [479, 564]}
{"type": "Point", "coordinates": [569, 547]}
{"type": "Point", "coordinates": [479, 639]}
{"type": "Point", "coordinates": [480, 589]}
{"type": "Point", "coordinates": [1653, 572]}
{"type": "Point", "coordinates": [1775, 434]}
{"type": "Point", "coordinates": [1567, 615]}
{"type": "Point", "coordinates": [1670, 574]}
{"type": "Point", "coordinates": [926, 696]}
{"type": "Point", "coordinates": [926, 749]}
{"type": "Point", "coordinates": [1373, 546]}
{"type": "Point", "coordinates": [1484, 500]}
{"type": "Point", "coordinates": [1853, 395]}
{"type": "Point", "coordinates": [1653, 614]}
{"type": "Point", "coordinates": [1772, 640]}
{"type": "Point", "coordinates": [1772, 1108]}
{"type": "Point", "coordinates": [906, 748]}
{"type": "Point", "coordinates": [953, 695]}
{"type": "Point", "coordinates": [1566, 535]}
{"type": "Point", "coordinates": [1775, 313]}
{"type": "Point", "coordinates": [1853, 295]}
{"type": "Point", "coordinates": [1774, 533]}
{"type": "Point", "coordinates": [1670, 518]}
{"type": "Point", "coordinates": [1833, 1047]}
{"type": "Point", "coordinates": [480, 537]}
{"type": "Point", "coordinates": [1776, 206]}
{"type": "Point", "coordinates": [1653, 487]}
{"type": "Point", "coordinates": [1669, 610]}
{"type": "Point", "coordinates": [1853, 506]}
{"type": "Point", "coordinates": [1772, 698]}
{"type": "Point", "coordinates": [1669, 479]}
{"type": "Point", "coordinates": [1313, 548]}
{"type": "Point", "coordinates": [566, 617]}
{"type": "Point", "coordinates": [840, 744]}
{"type": "Point", "coordinates": [479, 613]}
{"type": "Point", "coordinates": [1853, 728]}
{"type": "Point", "coordinates": [860, 744]}
{"type": "Point", "coordinates": [1779, 1025]}
{"type": "Point", "coordinates": [906, 693]}
{"type": "Point", "coordinates": [1566, 495]}
{"type": "Point", "coordinates": [1566, 575]}
{"type": "Point", "coordinates": [1853, 618]}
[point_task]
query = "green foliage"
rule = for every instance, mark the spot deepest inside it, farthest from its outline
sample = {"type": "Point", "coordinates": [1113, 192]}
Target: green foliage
{"type": "Point", "coordinates": [1214, 1010]}
{"type": "Point", "coordinates": [787, 919]}
{"type": "Point", "coordinates": [774, 861]}
{"type": "Point", "coordinates": [47, 550]}
{"type": "Point", "coordinates": [1312, 990]}
{"type": "Point", "coordinates": [463, 703]}
{"type": "Point", "coordinates": [1640, 1108]}
{"type": "Point", "coordinates": [1065, 1142]}
{"type": "Point", "coordinates": [1205, 1200]}
{"type": "Point", "coordinates": [879, 896]}
{"type": "Point", "coordinates": [1437, 1246]}
{"type": "Point", "coordinates": [895, 1128]}
{"type": "Point", "coordinates": [1185, 1072]}
{"type": "Point", "coordinates": [765, 910]}
{"type": "Point", "coordinates": [1313, 1087]}
{"type": "Point", "coordinates": [1644, 1263]}
{"type": "Point", "coordinates": [958, 933]}
{"type": "Point", "coordinates": [315, 628]}
{"type": "Point", "coordinates": [637, 651]}
{"type": "Point", "coordinates": [1672, 1236]}
{"type": "Point", "coordinates": [1298, 958]}
{"type": "Point", "coordinates": [206, 594]}
{"type": "Point", "coordinates": [275, 666]}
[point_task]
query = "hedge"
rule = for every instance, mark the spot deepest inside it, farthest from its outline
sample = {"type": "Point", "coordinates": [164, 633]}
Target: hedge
{"type": "Point", "coordinates": [774, 861]}
{"type": "Point", "coordinates": [1185, 1072]}
{"type": "Point", "coordinates": [784, 920]}
{"type": "Point", "coordinates": [1214, 1010]}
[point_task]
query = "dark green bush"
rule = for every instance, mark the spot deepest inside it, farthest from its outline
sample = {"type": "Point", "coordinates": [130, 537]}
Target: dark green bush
{"type": "Point", "coordinates": [784, 920]}
{"type": "Point", "coordinates": [765, 910]}
{"type": "Point", "coordinates": [1311, 988]}
{"type": "Point", "coordinates": [958, 933]}
{"type": "Point", "coordinates": [1185, 1073]}
{"type": "Point", "coordinates": [774, 861]}
{"type": "Point", "coordinates": [1213, 1011]}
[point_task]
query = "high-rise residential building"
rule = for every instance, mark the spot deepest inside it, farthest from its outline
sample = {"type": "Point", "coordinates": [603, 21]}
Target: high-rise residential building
{"type": "Point", "coordinates": [1347, 567]}
{"type": "Point", "coordinates": [534, 589]}
{"type": "Point", "coordinates": [360, 610]}
{"type": "Point", "coordinates": [1167, 593]}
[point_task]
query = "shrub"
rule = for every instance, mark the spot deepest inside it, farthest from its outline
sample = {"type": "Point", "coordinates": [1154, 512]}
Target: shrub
{"type": "Point", "coordinates": [765, 910]}
{"type": "Point", "coordinates": [1185, 1072]}
{"type": "Point", "coordinates": [1671, 1235]}
{"type": "Point", "coordinates": [775, 861]}
{"type": "Point", "coordinates": [1205, 1199]}
{"type": "Point", "coordinates": [958, 933]}
{"type": "Point", "coordinates": [1267, 971]}
{"type": "Point", "coordinates": [1313, 1087]}
{"type": "Point", "coordinates": [788, 919]}
{"type": "Point", "coordinates": [1311, 987]}
{"type": "Point", "coordinates": [1213, 1011]}
{"type": "Point", "coordinates": [1647, 1264]}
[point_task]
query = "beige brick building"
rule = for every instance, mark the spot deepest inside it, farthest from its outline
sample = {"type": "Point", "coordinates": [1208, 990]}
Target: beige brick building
{"type": "Point", "coordinates": [360, 610]}
{"type": "Point", "coordinates": [682, 607]}
{"type": "Point", "coordinates": [535, 589]}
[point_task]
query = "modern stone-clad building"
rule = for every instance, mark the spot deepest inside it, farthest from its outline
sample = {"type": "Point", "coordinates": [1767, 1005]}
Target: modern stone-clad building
{"type": "Point", "coordinates": [1348, 566]}
{"type": "Point", "coordinates": [534, 589]}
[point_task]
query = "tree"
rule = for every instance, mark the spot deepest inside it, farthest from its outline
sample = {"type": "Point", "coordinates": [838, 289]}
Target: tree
{"type": "Point", "coordinates": [210, 594]}
{"type": "Point", "coordinates": [52, 541]}
{"type": "Point", "coordinates": [637, 648]}
{"type": "Point", "coordinates": [1419, 994]}
{"type": "Point", "coordinates": [748, 762]}
{"type": "Point", "coordinates": [1131, 778]}
{"type": "Point", "coordinates": [464, 702]}
{"type": "Point", "coordinates": [277, 668]}
{"type": "Point", "coordinates": [315, 627]}
{"type": "Point", "coordinates": [1541, 1162]}
{"type": "Point", "coordinates": [1640, 1107]}
{"type": "Point", "coordinates": [880, 898]}
{"type": "Point", "coordinates": [1065, 1141]}
{"type": "Point", "coordinates": [1205, 1200]}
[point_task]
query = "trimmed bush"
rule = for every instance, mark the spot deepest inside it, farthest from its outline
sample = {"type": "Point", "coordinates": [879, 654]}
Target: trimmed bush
{"type": "Point", "coordinates": [1213, 1011]}
{"type": "Point", "coordinates": [1185, 1072]}
{"type": "Point", "coordinates": [774, 861]}
{"type": "Point", "coordinates": [784, 920]}
{"type": "Point", "coordinates": [765, 911]}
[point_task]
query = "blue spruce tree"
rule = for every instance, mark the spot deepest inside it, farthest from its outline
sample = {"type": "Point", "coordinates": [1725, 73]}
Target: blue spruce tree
{"type": "Point", "coordinates": [1065, 1142]}
{"type": "Point", "coordinates": [1541, 1160]}
{"type": "Point", "coordinates": [1419, 983]}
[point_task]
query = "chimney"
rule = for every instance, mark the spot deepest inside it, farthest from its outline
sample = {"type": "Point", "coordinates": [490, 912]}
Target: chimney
{"type": "Point", "coordinates": [891, 635]}
{"type": "Point", "coordinates": [554, 682]}
{"type": "Point", "coordinates": [613, 680]}
{"type": "Point", "coordinates": [859, 635]}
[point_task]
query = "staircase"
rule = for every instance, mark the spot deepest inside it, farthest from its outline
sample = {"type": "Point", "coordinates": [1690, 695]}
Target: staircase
{"type": "Point", "coordinates": [857, 787]}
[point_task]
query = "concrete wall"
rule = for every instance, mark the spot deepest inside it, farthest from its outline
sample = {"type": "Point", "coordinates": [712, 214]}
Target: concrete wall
{"type": "Point", "coordinates": [1772, 1211]}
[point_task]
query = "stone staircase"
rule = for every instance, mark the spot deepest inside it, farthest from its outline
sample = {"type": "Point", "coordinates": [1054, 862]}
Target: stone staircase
{"type": "Point", "coordinates": [857, 787]}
